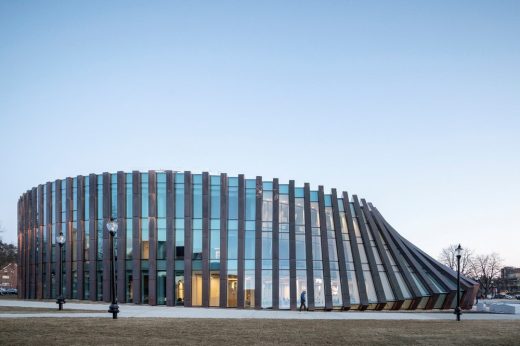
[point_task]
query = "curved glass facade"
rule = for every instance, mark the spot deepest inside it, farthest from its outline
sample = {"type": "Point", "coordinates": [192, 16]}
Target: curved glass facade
{"type": "Point", "coordinates": [221, 241]}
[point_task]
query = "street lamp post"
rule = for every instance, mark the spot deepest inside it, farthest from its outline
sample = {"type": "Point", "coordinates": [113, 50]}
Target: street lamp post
{"type": "Point", "coordinates": [458, 311]}
{"type": "Point", "coordinates": [60, 239]}
{"type": "Point", "coordinates": [114, 308]}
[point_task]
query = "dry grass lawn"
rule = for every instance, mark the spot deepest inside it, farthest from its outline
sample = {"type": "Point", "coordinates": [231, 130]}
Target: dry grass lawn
{"type": "Point", "coordinates": [124, 331]}
{"type": "Point", "coordinates": [30, 310]}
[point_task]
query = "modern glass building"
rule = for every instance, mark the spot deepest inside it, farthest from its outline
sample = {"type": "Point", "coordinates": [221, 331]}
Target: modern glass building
{"type": "Point", "coordinates": [218, 241]}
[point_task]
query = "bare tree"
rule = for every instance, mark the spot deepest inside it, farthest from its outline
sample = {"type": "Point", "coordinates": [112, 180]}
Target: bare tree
{"type": "Point", "coordinates": [448, 257]}
{"type": "Point", "coordinates": [486, 270]}
{"type": "Point", "coordinates": [7, 251]}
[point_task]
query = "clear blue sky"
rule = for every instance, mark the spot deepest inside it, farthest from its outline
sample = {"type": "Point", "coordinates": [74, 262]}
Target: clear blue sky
{"type": "Point", "coordinates": [414, 105]}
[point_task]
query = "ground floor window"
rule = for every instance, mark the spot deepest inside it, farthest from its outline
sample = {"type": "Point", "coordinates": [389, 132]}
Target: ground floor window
{"type": "Point", "coordinates": [179, 288]}
{"type": "Point", "coordinates": [129, 287]}
{"type": "Point", "coordinates": [232, 286]}
{"type": "Point", "coordinates": [249, 287]}
{"type": "Point", "coordinates": [284, 290]}
{"type": "Point", "coordinates": [214, 289]}
{"type": "Point", "coordinates": [161, 287]}
{"type": "Point", "coordinates": [267, 289]}
{"type": "Point", "coordinates": [196, 288]}
{"type": "Point", "coordinates": [144, 287]}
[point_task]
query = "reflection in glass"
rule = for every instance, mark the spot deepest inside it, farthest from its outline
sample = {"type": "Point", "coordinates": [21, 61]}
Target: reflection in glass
{"type": "Point", "coordinates": [284, 209]}
{"type": "Point", "coordinates": [333, 253]}
{"type": "Point", "coordinates": [284, 246]}
{"type": "Point", "coordinates": [233, 244]}
{"type": "Point", "coordinates": [113, 191]}
{"type": "Point", "coordinates": [197, 201]}
{"type": "Point", "coordinates": [267, 206]}
{"type": "Point", "coordinates": [267, 245]}
{"type": "Point", "coordinates": [284, 292]}
{"type": "Point", "coordinates": [161, 200]}
{"type": "Point", "coordinates": [214, 249]}
{"type": "Point", "coordinates": [232, 202]}
{"type": "Point", "coordinates": [99, 214]}
{"type": "Point", "coordinates": [301, 284]}
{"type": "Point", "coordinates": [215, 201]}
{"type": "Point", "coordinates": [353, 287]}
{"type": "Point", "coordinates": [319, 291]}
{"type": "Point", "coordinates": [267, 289]}
{"type": "Point", "coordinates": [300, 247]}
{"type": "Point", "coordinates": [315, 214]}
{"type": "Point", "coordinates": [145, 244]}
{"type": "Point", "coordinates": [197, 244]}
{"type": "Point", "coordinates": [299, 211]}
{"type": "Point", "coordinates": [129, 195]}
{"type": "Point", "coordinates": [249, 287]}
{"type": "Point", "coordinates": [386, 286]}
{"type": "Point", "coordinates": [161, 287]}
{"type": "Point", "coordinates": [328, 218]}
{"type": "Point", "coordinates": [316, 248]}
{"type": "Point", "coordinates": [144, 195]}
{"type": "Point", "coordinates": [179, 200]}
{"type": "Point", "coordinates": [369, 283]}
{"type": "Point", "coordinates": [251, 204]}
{"type": "Point", "coordinates": [335, 281]}
{"type": "Point", "coordinates": [249, 249]}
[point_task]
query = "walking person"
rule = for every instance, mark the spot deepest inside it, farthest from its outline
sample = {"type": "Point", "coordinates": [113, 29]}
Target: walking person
{"type": "Point", "coordinates": [303, 299]}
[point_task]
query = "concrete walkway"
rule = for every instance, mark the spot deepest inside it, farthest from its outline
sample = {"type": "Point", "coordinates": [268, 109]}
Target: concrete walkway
{"type": "Point", "coordinates": [145, 311]}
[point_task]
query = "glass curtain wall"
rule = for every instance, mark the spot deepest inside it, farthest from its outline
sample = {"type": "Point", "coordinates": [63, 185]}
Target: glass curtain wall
{"type": "Point", "coordinates": [145, 238]}
{"type": "Point", "coordinates": [214, 241]}
{"type": "Point", "coordinates": [367, 275]}
{"type": "Point", "coordinates": [44, 242]}
{"type": "Point", "coordinates": [36, 241]}
{"type": "Point", "coordinates": [99, 231]}
{"type": "Point", "coordinates": [53, 241]}
{"type": "Point", "coordinates": [267, 245]}
{"type": "Point", "coordinates": [113, 215]}
{"type": "Point", "coordinates": [232, 242]}
{"type": "Point", "coordinates": [56, 208]}
{"type": "Point", "coordinates": [389, 294]}
{"type": "Point", "coordinates": [301, 256]}
{"type": "Point", "coordinates": [63, 227]}
{"type": "Point", "coordinates": [179, 239]}
{"type": "Point", "coordinates": [283, 251]}
{"type": "Point", "coordinates": [337, 300]}
{"type": "Point", "coordinates": [74, 241]}
{"type": "Point", "coordinates": [249, 247]}
{"type": "Point", "coordinates": [161, 238]}
{"type": "Point", "coordinates": [402, 285]}
{"type": "Point", "coordinates": [319, 289]}
{"type": "Point", "coordinates": [349, 259]}
{"type": "Point", "coordinates": [196, 272]}
{"type": "Point", "coordinates": [129, 240]}
{"type": "Point", "coordinates": [86, 240]}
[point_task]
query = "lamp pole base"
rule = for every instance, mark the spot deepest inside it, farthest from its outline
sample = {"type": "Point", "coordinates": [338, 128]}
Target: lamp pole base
{"type": "Point", "coordinates": [458, 312]}
{"type": "Point", "coordinates": [60, 301]}
{"type": "Point", "coordinates": [114, 310]}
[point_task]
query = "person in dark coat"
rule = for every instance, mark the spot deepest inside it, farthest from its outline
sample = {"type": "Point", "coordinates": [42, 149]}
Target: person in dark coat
{"type": "Point", "coordinates": [303, 300]}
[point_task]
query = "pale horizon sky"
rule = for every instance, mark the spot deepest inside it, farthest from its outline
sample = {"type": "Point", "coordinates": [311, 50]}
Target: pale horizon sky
{"type": "Point", "coordinates": [412, 105]}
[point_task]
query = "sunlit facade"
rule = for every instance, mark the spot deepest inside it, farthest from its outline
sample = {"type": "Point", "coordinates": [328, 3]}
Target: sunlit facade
{"type": "Point", "coordinates": [218, 241]}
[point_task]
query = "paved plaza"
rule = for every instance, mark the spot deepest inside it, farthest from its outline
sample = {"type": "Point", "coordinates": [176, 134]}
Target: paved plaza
{"type": "Point", "coordinates": [146, 311]}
